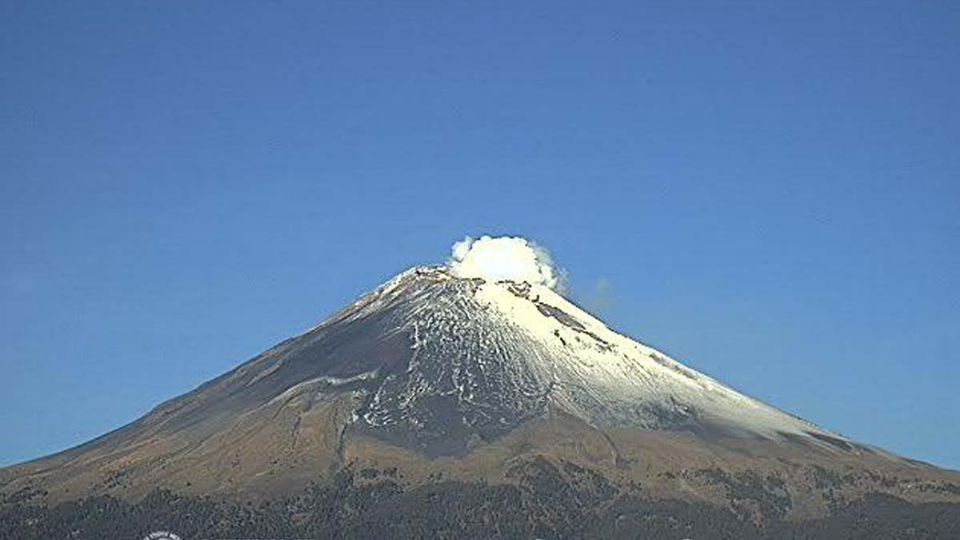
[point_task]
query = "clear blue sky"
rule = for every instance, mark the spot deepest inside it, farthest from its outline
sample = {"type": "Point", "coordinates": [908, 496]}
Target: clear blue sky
{"type": "Point", "coordinates": [769, 191]}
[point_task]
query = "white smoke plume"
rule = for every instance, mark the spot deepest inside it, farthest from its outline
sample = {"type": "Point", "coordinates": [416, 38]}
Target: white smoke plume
{"type": "Point", "coordinates": [506, 257]}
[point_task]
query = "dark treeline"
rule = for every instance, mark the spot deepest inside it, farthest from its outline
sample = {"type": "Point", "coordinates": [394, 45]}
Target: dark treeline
{"type": "Point", "coordinates": [543, 504]}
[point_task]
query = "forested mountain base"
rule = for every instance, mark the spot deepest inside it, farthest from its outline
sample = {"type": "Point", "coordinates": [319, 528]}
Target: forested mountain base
{"type": "Point", "coordinates": [372, 504]}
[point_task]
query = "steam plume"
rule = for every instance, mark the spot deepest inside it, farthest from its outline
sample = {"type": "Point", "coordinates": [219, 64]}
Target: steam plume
{"type": "Point", "coordinates": [506, 257]}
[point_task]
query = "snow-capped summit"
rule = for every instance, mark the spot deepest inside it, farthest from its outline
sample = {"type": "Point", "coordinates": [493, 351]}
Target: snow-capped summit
{"type": "Point", "coordinates": [494, 353]}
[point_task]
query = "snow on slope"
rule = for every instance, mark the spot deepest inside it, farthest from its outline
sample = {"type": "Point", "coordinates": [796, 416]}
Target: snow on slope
{"type": "Point", "coordinates": [487, 355]}
{"type": "Point", "coordinates": [621, 371]}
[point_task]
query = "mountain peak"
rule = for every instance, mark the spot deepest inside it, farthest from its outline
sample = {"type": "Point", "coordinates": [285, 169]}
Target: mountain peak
{"type": "Point", "coordinates": [454, 365]}
{"type": "Point", "coordinates": [498, 352]}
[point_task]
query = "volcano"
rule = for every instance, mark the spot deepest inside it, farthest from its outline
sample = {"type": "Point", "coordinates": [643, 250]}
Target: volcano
{"type": "Point", "coordinates": [470, 401]}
